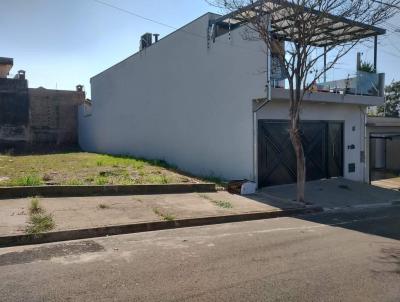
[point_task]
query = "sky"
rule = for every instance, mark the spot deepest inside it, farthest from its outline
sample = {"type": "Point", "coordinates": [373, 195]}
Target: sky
{"type": "Point", "coordinates": [62, 43]}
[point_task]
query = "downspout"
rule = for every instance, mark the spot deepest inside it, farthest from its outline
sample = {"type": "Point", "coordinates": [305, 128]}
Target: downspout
{"type": "Point", "coordinates": [268, 99]}
{"type": "Point", "coordinates": [363, 122]}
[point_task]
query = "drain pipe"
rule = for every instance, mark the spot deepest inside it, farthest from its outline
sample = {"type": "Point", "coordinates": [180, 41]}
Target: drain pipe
{"type": "Point", "coordinates": [266, 101]}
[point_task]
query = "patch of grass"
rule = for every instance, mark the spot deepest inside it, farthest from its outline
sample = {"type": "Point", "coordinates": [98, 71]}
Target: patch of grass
{"type": "Point", "coordinates": [28, 181]}
{"type": "Point", "coordinates": [35, 207]}
{"type": "Point", "coordinates": [79, 168]}
{"type": "Point", "coordinates": [220, 203]}
{"type": "Point", "coordinates": [40, 223]}
{"type": "Point", "coordinates": [39, 220]}
{"type": "Point", "coordinates": [119, 161]}
{"type": "Point", "coordinates": [101, 180]}
{"type": "Point", "coordinates": [164, 216]}
{"type": "Point", "coordinates": [155, 179]}
{"type": "Point", "coordinates": [103, 206]}
{"type": "Point", "coordinates": [74, 182]}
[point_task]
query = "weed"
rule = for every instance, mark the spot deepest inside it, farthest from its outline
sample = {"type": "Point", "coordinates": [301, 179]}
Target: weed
{"type": "Point", "coordinates": [28, 180]}
{"type": "Point", "coordinates": [165, 216]}
{"type": "Point", "coordinates": [74, 182]}
{"type": "Point", "coordinates": [101, 180]}
{"type": "Point", "coordinates": [40, 223]}
{"type": "Point", "coordinates": [103, 206]}
{"type": "Point", "coordinates": [220, 203]}
{"type": "Point", "coordinates": [155, 179]}
{"type": "Point", "coordinates": [35, 207]}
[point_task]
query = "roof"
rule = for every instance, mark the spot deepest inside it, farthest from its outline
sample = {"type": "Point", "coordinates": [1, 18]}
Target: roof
{"type": "Point", "coordinates": [6, 61]}
{"type": "Point", "coordinates": [334, 29]}
{"type": "Point", "coordinates": [381, 121]}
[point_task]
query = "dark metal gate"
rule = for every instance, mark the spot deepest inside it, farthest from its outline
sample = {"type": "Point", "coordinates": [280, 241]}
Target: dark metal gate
{"type": "Point", "coordinates": [323, 146]}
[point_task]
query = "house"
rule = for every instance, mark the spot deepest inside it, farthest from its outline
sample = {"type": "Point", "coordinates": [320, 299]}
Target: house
{"type": "Point", "coordinates": [196, 98]}
{"type": "Point", "coordinates": [36, 118]}
{"type": "Point", "coordinates": [384, 145]}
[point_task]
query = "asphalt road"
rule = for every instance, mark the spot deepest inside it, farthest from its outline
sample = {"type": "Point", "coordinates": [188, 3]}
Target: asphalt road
{"type": "Point", "coordinates": [351, 256]}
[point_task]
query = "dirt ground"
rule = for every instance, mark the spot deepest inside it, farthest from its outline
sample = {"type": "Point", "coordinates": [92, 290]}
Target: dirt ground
{"type": "Point", "coordinates": [81, 168]}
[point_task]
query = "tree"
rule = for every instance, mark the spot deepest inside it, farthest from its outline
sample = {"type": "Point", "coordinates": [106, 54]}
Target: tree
{"type": "Point", "coordinates": [392, 101]}
{"type": "Point", "coordinates": [304, 24]}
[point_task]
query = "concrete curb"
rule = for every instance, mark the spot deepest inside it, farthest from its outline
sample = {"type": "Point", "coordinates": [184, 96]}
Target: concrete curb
{"type": "Point", "coordinates": [13, 240]}
{"type": "Point", "coordinates": [364, 206]}
{"type": "Point", "coordinates": [109, 190]}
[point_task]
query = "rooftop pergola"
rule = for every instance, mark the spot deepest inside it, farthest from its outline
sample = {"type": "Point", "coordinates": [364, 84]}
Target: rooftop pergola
{"type": "Point", "coordinates": [332, 30]}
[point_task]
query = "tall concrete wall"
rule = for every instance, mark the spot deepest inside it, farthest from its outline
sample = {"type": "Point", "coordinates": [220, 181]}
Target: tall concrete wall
{"type": "Point", "coordinates": [182, 102]}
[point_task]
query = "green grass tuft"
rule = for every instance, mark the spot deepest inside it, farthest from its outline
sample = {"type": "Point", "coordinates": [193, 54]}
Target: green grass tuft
{"type": "Point", "coordinates": [74, 182]}
{"type": "Point", "coordinates": [28, 180]}
{"type": "Point", "coordinates": [40, 223]}
{"type": "Point", "coordinates": [101, 180]}
{"type": "Point", "coordinates": [164, 216]}
{"type": "Point", "coordinates": [222, 204]}
{"type": "Point", "coordinates": [35, 207]}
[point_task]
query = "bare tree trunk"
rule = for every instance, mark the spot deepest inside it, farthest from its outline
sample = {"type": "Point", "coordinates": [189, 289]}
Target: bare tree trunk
{"type": "Point", "coordinates": [295, 137]}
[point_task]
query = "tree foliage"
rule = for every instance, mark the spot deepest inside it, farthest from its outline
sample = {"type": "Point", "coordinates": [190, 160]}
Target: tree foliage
{"type": "Point", "coordinates": [392, 101]}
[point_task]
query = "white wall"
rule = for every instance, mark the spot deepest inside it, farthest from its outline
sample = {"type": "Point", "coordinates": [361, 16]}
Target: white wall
{"type": "Point", "coordinates": [351, 115]}
{"type": "Point", "coordinates": [181, 102]}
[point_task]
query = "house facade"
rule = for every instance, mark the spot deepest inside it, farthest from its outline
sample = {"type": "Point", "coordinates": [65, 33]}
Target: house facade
{"type": "Point", "coordinates": [200, 103]}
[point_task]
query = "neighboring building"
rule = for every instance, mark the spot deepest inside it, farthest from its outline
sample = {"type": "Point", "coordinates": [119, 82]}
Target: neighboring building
{"type": "Point", "coordinates": [36, 117]}
{"type": "Point", "coordinates": [196, 99]}
{"type": "Point", "coordinates": [384, 141]}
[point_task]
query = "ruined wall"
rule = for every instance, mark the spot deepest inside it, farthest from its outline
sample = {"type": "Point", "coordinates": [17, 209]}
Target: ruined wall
{"type": "Point", "coordinates": [14, 113]}
{"type": "Point", "coordinates": [54, 116]}
{"type": "Point", "coordinates": [31, 118]}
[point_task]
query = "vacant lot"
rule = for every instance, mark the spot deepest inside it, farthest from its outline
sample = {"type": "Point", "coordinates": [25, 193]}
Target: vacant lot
{"type": "Point", "coordinates": [80, 168]}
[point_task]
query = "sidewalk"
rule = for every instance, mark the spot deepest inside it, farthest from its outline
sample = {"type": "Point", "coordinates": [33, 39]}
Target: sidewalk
{"type": "Point", "coordinates": [338, 193]}
{"type": "Point", "coordinates": [72, 213]}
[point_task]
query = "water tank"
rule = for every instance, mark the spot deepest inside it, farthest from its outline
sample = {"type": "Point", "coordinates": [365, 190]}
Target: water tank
{"type": "Point", "coordinates": [146, 40]}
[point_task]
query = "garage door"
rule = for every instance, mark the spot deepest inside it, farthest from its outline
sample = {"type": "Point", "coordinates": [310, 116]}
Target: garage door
{"type": "Point", "coordinates": [323, 146]}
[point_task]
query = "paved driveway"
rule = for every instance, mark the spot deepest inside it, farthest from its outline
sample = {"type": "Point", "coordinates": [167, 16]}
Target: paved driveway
{"type": "Point", "coordinates": [389, 183]}
{"type": "Point", "coordinates": [337, 192]}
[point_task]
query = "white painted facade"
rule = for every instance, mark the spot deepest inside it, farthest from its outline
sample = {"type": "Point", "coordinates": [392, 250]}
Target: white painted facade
{"type": "Point", "coordinates": [192, 105]}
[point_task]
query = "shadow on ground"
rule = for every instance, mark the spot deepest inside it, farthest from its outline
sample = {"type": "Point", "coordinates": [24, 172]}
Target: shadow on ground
{"type": "Point", "coordinates": [363, 207]}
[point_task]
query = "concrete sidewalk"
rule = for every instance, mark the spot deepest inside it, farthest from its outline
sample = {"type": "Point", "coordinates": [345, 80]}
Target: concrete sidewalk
{"type": "Point", "coordinates": [72, 213]}
{"type": "Point", "coordinates": [338, 193]}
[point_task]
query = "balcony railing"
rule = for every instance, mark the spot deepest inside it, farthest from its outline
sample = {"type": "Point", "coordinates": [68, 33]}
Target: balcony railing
{"type": "Point", "coordinates": [364, 83]}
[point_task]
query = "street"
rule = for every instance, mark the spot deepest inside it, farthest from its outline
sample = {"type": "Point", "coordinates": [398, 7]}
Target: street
{"type": "Point", "coordinates": [334, 256]}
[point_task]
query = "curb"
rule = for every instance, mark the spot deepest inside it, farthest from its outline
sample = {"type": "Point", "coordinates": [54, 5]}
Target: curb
{"type": "Point", "coordinates": [364, 206]}
{"type": "Point", "coordinates": [13, 240]}
{"type": "Point", "coordinates": [110, 190]}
